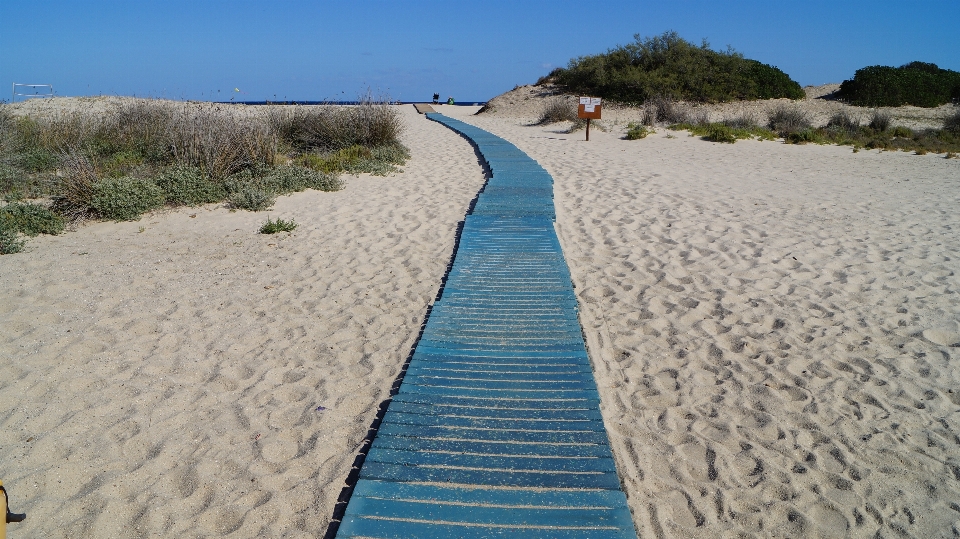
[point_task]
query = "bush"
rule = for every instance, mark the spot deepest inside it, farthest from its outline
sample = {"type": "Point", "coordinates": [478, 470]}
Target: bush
{"type": "Point", "coordinates": [187, 186]}
{"type": "Point", "coordinates": [637, 131]}
{"type": "Point", "coordinates": [746, 120]}
{"type": "Point", "coordinates": [670, 66]}
{"type": "Point", "coordinates": [952, 123]}
{"type": "Point", "coordinates": [785, 120]}
{"type": "Point", "coordinates": [720, 133]}
{"type": "Point", "coordinates": [9, 242]}
{"type": "Point", "coordinates": [252, 199]}
{"type": "Point", "coordinates": [901, 131]}
{"type": "Point", "coordinates": [291, 179]}
{"type": "Point", "coordinates": [880, 121]}
{"type": "Point", "coordinates": [917, 83]}
{"type": "Point", "coordinates": [30, 219]}
{"type": "Point", "coordinates": [556, 110]}
{"type": "Point", "coordinates": [805, 136]}
{"type": "Point", "coordinates": [37, 160]}
{"type": "Point", "coordinates": [844, 121]}
{"type": "Point", "coordinates": [272, 227]}
{"type": "Point", "coordinates": [75, 191]}
{"type": "Point", "coordinates": [126, 198]}
{"type": "Point", "coordinates": [379, 161]}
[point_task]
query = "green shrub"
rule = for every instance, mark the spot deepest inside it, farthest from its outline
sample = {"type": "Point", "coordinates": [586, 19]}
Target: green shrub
{"type": "Point", "coordinates": [720, 133]}
{"type": "Point", "coordinates": [125, 198]}
{"type": "Point", "coordinates": [186, 186]}
{"type": "Point", "coordinates": [917, 83]}
{"type": "Point", "coordinates": [9, 242]}
{"type": "Point", "coordinates": [291, 179]}
{"type": "Point", "coordinates": [30, 219]}
{"type": "Point", "coordinates": [251, 198]}
{"type": "Point", "coordinates": [637, 131]}
{"type": "Point", "coordinates": [272, 227]}
{"type": "Point", "coordinates": [900, 131]}
{"type": "Point", "coordinates": [786, 120]}
{"type": "Point", "coordinates": [37, 160]}
{"type": "Point", "coordinates": [672, 67]}
{"type": "Point", "coordinates": [379, 161]}
{"type": "Point", "coordinates": [805, 136]}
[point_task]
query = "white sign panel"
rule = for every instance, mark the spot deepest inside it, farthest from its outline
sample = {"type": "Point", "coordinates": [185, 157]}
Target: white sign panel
{"type": "Point", "coordinates": [589, 108]}
{"type": "Point", "coordinates": [584, 100]}
{"type": "Point", "coordinates": [594, 100]}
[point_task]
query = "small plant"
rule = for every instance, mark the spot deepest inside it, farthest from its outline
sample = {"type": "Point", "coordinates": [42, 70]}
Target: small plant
{"type": "Point", "coordinates": [37, 160]}
{"type": "Point", "coordinates": [844, 121]}
{"type": "Point", "coordinates": [9, 242]}
{"type": "Point", "coordinates": [804, 137]}
{"type": "Point", "coordinates": [786, 120]}
{"type": "Point", "coordinates": [950, 155]}
{"type": "Point", "coordinates": [272, 227]}
{"type": "Point", "coordinates": [187, 186]}
{"type": "Point", "coordinates": [557, 110]}
{"type": "Point", "coordinates": [637, 131]}
{"type": "Point", "coordinates": [900, 131]}
{"type": "Point", "coordinates": [30, 219]}
{"type": "Point", "coordinates": [920, 151]}
{"type": "Point", "coordinates": [251, 199]}
{"type": "Point", "coordinates": [126, 198]}
{"type": "Point", "coordinates": [720, 133]}
{"type": "Point", "coordinates": [880, 121]}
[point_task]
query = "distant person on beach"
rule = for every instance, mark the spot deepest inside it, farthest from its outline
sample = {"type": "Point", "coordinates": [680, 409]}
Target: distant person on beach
{"type": "Point", "coordinates": [436, 98]}
{"type": "Point", "coordinates": [450, 100]}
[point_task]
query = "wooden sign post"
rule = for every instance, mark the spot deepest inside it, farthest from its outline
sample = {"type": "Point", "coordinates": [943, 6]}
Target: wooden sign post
{"type": "Point", "coordinates": [589, 109]}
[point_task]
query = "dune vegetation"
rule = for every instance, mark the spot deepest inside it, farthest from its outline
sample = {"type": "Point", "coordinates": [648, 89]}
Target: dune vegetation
{"type": "Point", "coordinates": [669, 66]}
{"type": "Point", "coordinates": [919, 84]}
{"type": "Point", "coordinates": [149, 153]}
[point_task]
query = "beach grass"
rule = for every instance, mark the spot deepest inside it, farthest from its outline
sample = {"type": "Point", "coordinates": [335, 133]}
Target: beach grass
{"type": "Point", "coordinates": [147, 154]}
{"type": "Point", "coordinates": [279, 225]}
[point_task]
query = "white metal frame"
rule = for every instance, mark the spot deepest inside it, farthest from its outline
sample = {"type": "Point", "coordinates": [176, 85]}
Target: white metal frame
{"type": "Point", "coordinates": [34, 94]}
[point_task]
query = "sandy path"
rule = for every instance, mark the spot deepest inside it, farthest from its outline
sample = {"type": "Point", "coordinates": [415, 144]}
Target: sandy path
{"type": "Point", "coordinates": [774, 329]}
{"type": "Point", "coordinates": [166, 381]}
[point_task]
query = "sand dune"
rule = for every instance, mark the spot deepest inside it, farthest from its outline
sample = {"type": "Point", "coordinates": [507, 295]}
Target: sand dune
{"type": "Point", "coordinates": [195, 378]}
{"type": "Point", "coordinates": [774, 329]}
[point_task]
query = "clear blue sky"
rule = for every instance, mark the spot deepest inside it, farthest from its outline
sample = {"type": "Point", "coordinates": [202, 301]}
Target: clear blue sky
{"type": "Point", "coordinates": [315, 50]}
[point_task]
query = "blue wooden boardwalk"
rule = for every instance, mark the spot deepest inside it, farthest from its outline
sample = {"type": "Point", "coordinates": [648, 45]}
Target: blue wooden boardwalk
{"type": "Point", "coordinates": [496, 428]}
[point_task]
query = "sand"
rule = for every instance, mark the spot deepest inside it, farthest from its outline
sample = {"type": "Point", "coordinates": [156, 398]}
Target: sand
{"type": "Point", "coordinates": [774, 331]}
{"type": "Point", "coordinates": [164, 378]}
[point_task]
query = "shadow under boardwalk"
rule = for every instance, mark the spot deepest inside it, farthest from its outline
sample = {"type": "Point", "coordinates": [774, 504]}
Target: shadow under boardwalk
{"type": "Point", "coordinates": [496, 428]}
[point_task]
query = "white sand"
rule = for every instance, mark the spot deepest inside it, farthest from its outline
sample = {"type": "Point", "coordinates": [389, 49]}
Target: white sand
{"type": "Point", "coordinates": [166, 382]}
{"type": "Point", "coordinates": [771, 328]}
{"type": "Point", "coordinates": [774, 328]}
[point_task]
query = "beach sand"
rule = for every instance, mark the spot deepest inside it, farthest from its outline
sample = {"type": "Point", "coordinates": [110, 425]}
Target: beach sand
{"type": "Point", "coordinates": [773, 329]}
{"type": "Point", "coordinates": [166, 382]}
